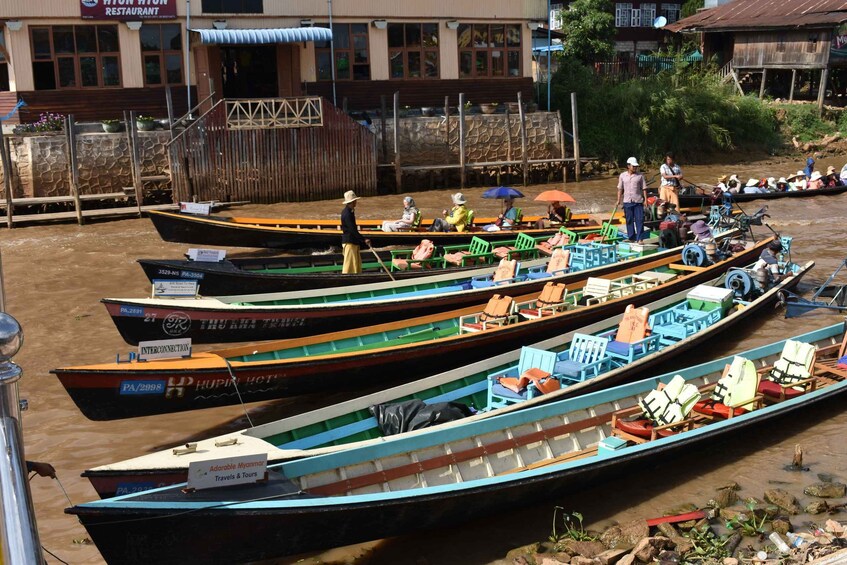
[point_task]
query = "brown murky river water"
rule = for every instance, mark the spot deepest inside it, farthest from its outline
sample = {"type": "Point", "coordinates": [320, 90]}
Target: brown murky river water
{"type": "Point", "coordinates": [55, 276]}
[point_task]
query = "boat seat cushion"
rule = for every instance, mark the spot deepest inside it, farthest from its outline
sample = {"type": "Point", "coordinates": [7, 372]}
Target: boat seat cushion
{"type": "Point", "coordinates": [774, 390]}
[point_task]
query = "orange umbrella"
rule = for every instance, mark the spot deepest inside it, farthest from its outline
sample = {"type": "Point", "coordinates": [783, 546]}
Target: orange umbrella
{"type": "Point", "coordinates": [554, 196]}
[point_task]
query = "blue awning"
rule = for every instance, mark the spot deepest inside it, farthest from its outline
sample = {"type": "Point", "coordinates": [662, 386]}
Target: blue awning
{"type": "Point", "coordinates": [263, 36]}
{"type": "Point", "coordinates": [545, 49]}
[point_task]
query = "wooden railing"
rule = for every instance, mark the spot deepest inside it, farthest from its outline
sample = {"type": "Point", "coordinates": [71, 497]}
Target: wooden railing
{"type": "Point", "coordinates": [267, 113]}
{"type": "Point", "coordinates": [726, 72]}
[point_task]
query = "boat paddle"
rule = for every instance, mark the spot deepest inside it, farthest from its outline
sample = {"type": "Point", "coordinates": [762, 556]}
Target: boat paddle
{"type": "Point", "coordinates": [387, 272]}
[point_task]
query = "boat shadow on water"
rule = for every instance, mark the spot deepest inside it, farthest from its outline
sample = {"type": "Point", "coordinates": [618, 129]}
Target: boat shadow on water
{"type": "Point", "coordinates": [488, 540]}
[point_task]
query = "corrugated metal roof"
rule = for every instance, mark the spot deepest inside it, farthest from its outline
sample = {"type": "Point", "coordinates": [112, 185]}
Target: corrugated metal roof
{"type": "Point", "coordinates": [768, 14]}
{"type": "Point", "coordinates": [260, 36]}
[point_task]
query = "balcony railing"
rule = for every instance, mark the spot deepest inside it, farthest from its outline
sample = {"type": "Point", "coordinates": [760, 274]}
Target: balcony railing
{"type": "Point", "coordinates": [267, 113]}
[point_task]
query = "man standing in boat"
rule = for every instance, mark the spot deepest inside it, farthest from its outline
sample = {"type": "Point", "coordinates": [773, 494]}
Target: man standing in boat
{"type": "Point", "coordinates": [632, 193]}
{"type": "Point", "coordinates": [351, 239]}
{"type": "Point", "coordinates": [671, 177]}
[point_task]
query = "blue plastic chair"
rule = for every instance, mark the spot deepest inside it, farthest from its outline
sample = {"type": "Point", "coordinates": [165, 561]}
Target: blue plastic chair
{"type": "Point", "coordinates": [499, 395]}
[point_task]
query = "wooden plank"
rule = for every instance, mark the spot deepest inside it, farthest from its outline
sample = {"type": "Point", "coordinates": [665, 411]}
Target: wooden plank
{"type": "Point", "coordinates": [73, 165]}
{"type": "Point", "coordinates": [822, 90]}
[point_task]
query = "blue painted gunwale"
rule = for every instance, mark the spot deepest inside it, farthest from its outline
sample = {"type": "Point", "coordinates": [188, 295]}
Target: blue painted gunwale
{"type": "Point", "coordinates": [390, 446]}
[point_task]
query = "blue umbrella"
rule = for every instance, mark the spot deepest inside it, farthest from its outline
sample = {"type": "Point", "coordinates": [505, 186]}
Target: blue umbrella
{"type": "Point", "coordinates": [502, 192]}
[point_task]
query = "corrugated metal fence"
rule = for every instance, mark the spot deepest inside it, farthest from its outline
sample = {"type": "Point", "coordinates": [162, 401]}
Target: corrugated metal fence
{"type": "Point", "coordinates": [210, 161]}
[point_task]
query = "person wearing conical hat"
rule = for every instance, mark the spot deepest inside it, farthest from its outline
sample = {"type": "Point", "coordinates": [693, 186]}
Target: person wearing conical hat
{"type": "Point", "coordinates": [832, 179]}
{"type": "Point", "coordinates": [454, 220]}
{"type": "Point", "coordinates": [722, 183]}
{"type": "Point", "coordinates": [782, 184]}
{"type": "Point", "coordinates": [351, 240]}
{"type": "Point", "coordinates": [815, 181]}
{"type": "Point", "coordinates": [798, 181]}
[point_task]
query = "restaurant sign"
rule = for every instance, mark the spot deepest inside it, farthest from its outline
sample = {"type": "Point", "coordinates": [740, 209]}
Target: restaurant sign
{"type": "Point", "coordinates": [838, 47]}
{"type": "Point", "coordinates": [128, 9]}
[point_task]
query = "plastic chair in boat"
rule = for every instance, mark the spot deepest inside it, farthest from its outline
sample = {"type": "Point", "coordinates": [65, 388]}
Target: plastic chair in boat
{"type": "Point", "coordinates": [791, 375]}
{"type": "Point", "coordinates": [584, 359]}
{"type": "Point", "coordinates": [659, 414]}
{"type": "Point", "coordinates": [477, 252]}
{"type": "Point", "coordinates": [532, 377]}
{"type": "Point", "coordinates": [562, 237]}
{"type": "Point", "coordinates": [557, 265]}
{"type": "Point", "coordinates": [632, 339]}
{"type": "Point", "coordinates": [589, 255]}
{"type": "Point", "coordinates": [735, 393]}
{"type": "Point", "coordinates": [505, 273]}
{"type": "Point", "coordinates": [550, 301]}
{"type": "Point", "coordinates": [418, 258]}
{"type": "Point", "coordinates": [523, 248]}
{"type": "Point", "coordinates": [499, 311]}
{"type": "Point", "coordinates": [597, 288]}
{"type": "Point", "coordinates": [608, 232]}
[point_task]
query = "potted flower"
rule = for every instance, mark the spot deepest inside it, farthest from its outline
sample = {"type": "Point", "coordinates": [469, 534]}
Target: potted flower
{"type": "Point", "coordinates": [145, 123]}
{"type": "Point", "coordinates": [514, 107]}
{"type": "Point", "coordinates": [489, 108]}
{"type": "Point", "coordinates": [111, 126]}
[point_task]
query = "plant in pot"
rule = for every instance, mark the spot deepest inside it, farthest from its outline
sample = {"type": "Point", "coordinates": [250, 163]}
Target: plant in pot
{"type": "Point", "coordinates": [514, 107]}
{"type": "Point", "coordinates": [489, 108]}
{"type": "Point", "coordinates": [111, 126]}
{"type": "Point", "coordinates": [145, 123]}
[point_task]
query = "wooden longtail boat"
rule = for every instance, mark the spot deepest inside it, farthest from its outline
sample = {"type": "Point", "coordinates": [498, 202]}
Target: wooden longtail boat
{"type": "Point", "coordinates": [437, 478]}
{"type": "Point", "coordinates": [698, 200]}
{"type": "Point", "coordinates": [310, 312]}
{"type": "Point", "coordinates": [351, 423]}
{"type": "Point", "coordinates": [364, 356]}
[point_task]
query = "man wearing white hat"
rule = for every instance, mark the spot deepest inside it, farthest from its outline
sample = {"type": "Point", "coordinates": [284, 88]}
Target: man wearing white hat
{"type": "Point", "coordinates": [632, 193]}
{"type": "Point", "coordinates": [351, 239]}
{"type": "Point", "coordinates": [456, 219]}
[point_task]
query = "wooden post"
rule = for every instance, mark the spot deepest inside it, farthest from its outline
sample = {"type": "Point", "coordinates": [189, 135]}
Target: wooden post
{"type": "Point", "coordinates": [7, 178]}
{"type": "Point", "coordinates": [462, 171]}
{"type": "Point", "coordinates": [73, 170]}
{"type": "Point", "coordinates": [737, 82]}
{"type": "Point", "coordinates": [447, 131]}
{"type": "Point", "coordinates": [508, 135]}
{"type": "Point", "coordinates": [562, 142]}
{"type": "Point", "coordinates": [575, 119]}
{"type": "Point", "coordinates": [398, 170]}
{"type": "Point", "coordinates": [383, 109]}
{"type": "Point", "coordinates": [524, 159]}
{"type": "Point", "coordinates": [793, 81]}
{"type": "Point", "coordinates": [762, 86]}
{"type": "Point", "coordinates": [344, 104]}
{"type": "Point", "coordinates": [822, 90]}
{"type": "Point", "coordinates": [132, 138]}
{"type": "Point", "coordinates": [170, 102]}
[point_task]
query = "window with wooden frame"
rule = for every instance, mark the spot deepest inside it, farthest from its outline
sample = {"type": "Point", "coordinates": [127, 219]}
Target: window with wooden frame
{"type": "Point", "coordinates": [161, 53]}
{"type": "Point", "coordinates": [413, 50]}
{"type": "Point", "coordinates": [233, 7]}
{"type": "Point", "coordinates": [352, 58]}
{"type": "Point", "coordinates": [75, 56]}
{"type": "Point", "coordinates": [648, 14]}
{"type": "Point", "coordinates": [489, 50]}
{"type": "Point", "coordinates": [622, 14]}
{"type": "Point", "coordinates": [671, 12]}
{"type": "Point", "coordinates": [4, 62]}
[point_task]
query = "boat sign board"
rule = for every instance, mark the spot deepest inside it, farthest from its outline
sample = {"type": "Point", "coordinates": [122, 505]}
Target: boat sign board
{"type": "Point", "coordinates": [207, 255]}
{"type": "Point", "coordinates": [227, 471]}
{"type": "Point", "coordinates": [196, 208]}
{"type": "Point", "coordinates": [164, 349]}
{"type": "Point", "coordinates": [174, 287]}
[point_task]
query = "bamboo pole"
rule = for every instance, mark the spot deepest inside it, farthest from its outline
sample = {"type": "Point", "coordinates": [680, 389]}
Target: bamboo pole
{"type": "Point", "coordinates": [562, 145]}
{"type": "Point", "coordinates": [822, 90]}
{"type": "Point", "coordinates": [132, 140]}
{"type": "Point", "coordinates": [524, 163]}
{"type": "Point", "coordinates": [7, 178]}
{"type": "Point", "coordinates": [575, 118]}
{"type": "Point", "coordinates": [398, 169]}
{"type": "Point", "coordinates": [73, 176]}
{"type": "Point", "coordinates": [793, 81]}
{"type": "Point", "coordinates": [462, 171]}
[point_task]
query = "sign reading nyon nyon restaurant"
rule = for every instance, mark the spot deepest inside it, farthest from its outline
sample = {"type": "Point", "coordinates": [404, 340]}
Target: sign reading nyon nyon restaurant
{"type": "Point", "coordinates": [128, 9]}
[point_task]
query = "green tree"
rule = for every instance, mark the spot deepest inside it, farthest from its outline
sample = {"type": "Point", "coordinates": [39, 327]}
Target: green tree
{"type": "Point", "coordinates": [589, 27]}
{"type": "Point", "coordinates": [690, 7]}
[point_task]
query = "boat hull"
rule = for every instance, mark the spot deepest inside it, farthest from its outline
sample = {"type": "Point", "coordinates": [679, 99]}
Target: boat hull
{"type": "Point", "coordinates": [138, 321]}
{"type": "Point", "coordinates": [122, 393]}
{"type": "Point", "coordinates": [696, 200]}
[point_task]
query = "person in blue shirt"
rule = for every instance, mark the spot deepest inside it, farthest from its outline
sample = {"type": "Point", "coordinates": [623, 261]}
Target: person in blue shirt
{"type": "Point", "coordinates": [810, 167]}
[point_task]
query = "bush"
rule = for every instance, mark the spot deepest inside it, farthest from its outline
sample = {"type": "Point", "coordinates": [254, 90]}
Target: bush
{"type": "Point", "coordinates": [802, 120]}
{"type": "Point", "coordinates": [47, 122]}
{"type": "Point", "coordinates": [685, 109]}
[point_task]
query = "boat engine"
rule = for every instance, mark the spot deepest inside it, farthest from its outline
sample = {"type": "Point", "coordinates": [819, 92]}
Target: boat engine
{"type": "Point", "coordinates": [694, 255]}
{"type": "Point", "coordinates": [743, 283]}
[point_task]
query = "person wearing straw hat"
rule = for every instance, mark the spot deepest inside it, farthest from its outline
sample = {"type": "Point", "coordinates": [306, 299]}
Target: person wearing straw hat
{"type": "Point", "coordinates": [351, 240]}
{"type": "Point", "coordinates": [815, 181]}
{"type": "Point", "coordinates": [797, 181]}
{"type": "Point", "coordinates": [722, 183]}
{"type": "Point", "coordinates": [733, 185]}
{"type": "Point", "coordinates": [456, 219]}
{"type": "Point", "coordinates": [752, 187]}
{"type": "Point", "coordinates": [632, 193]}
{"type": "Point", "coordinates": [832, 178]}
{"type": "Point", "coordinates": [782, 184]}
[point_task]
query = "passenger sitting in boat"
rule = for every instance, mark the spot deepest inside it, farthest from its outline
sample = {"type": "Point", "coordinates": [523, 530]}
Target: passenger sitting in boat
{"type": "Point", "coordinates": [507, 219]}
{"type": "Point", "coordinates": [752, 187]}
{"type": "Point", "coordinates": [832, 178]}
{"type": "Point", "coordinates": [456, 219]}
{"type": "Point", "coordinates": [770, 184]}
{"type": "Point", "coordinates": [557, 213]}
{"type": "Point", "coordinates": [410, 213]}
{"type": "Point", "coordinates": [815, 181]}
{"type": "Point", "coordinates": [701, 231]}
{"type": "Point", "coordinates": [798, 181]}
{"type": "Point", "coordinates": [734, 184]}
{"type": "Point", "coordinates": [768, 260]}
{"type": "Point", "coordinates": [782, 185]}
{"type": "Point", "coordinates": [722, 183]}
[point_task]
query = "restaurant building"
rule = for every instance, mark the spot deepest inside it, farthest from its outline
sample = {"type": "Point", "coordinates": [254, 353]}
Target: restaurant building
{"type": "Point", "coordinates": [96, 58]}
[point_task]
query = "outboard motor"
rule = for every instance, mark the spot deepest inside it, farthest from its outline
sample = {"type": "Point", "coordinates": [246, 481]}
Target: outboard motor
{"type": "Point", "coordinates": [741, 283]}
{"type": "Point", "coordinates": [694, 255]}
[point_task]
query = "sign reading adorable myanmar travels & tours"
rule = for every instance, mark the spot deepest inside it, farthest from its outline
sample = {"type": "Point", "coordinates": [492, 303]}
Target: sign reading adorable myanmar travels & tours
{"type": "Point", "coordinates": [196, 208]}
{"type": "Point", "coordinates": [207, 255]}
{"type": "Point", "coordinates": [127, 9]}
{"type": "Point", "coordinates": [174, 287]}
{"type": "Point", "coordinates": [164, 349]}
{"type": "Point", "coordinates": [227, 471]}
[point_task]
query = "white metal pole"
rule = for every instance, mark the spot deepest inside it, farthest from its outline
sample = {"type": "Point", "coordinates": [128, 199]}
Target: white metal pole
{"type": "Point", "coordinates": [188, 55]}
{"type": "Point", "coordinates": [549, 53]}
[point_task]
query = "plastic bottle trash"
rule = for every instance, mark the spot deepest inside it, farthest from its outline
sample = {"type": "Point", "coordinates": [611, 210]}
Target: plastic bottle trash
{"type": "Point", "coordinates": [779, 542]}
{"type": "Point", "coordinates": [794, 540]}
{"type": "Point", "coordinates": [762, 556]}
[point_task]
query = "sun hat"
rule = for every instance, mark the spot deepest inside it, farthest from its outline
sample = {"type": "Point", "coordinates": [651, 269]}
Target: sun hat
{"type": "Point", "coordinates": [816, 175]}
{"type": "Point", "coordinates": [752, 182]}
{"type": "Point", "coordinates": [782, 180]}
{"type": "Point", "coordinates": [772, 182]}
{"type": "Point", "coordinates": [722, 178]}
{"type": "Point", "coordinates": [458, 198]}
{"type": "Point", "coordinates": [797, 174]}
{"type": "Point", "coordinates": [350, 196]}
{"type": "Point", "coordinates": [632, 161]}
{"type": "Point", "coordinates": [734, 178]}
{"type": "Point", "coordinates": [830, 170]}
{"type": "Point", "coordinates": [701, 229]}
